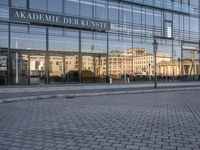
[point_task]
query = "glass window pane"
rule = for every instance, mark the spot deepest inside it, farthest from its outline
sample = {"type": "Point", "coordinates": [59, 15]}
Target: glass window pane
{"type": "Point", "coordinates": [101, 9]}
{"type": "Point", "coordinates": [40, 5]}
{"type": "Point", "coordinates": [72, 7]}
{"type": "Point", "coordinates": [3, 2]}
{"type": "Point", "coordinates": [3, 35]}
{"type": "Point", "coordinates": [4, 12]}
{"type": "Point", "coordinates": [149, 17]}
{"type": "Point", "coordinates": [127, 14]}
{"type": "Point", "coordinates": [19, 3]}
{"type": "Point", "coordinates": [113, 11]}
{"type": "Point", "coordinates": [86, 7]}
{"type": "Point", "coordinates": [22, 39]}
{"type": "Point", "coordinates": [137, 15]}
{"type": "Point", "coordinates": [55, 6]}
{"type": "Point", "coordinates": [63, 40]}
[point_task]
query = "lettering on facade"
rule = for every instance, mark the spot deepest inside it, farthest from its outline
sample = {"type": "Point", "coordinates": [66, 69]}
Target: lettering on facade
{"type": "Point", "coordinates": [59, 20]}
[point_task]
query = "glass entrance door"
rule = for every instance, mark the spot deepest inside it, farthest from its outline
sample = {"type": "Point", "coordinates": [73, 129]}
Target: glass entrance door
{"type": "Point", "coordinates": [19, 68]}
{"type": "Point", "coordinates": [56, 68]}
{"type": "Point", "coordinates": [71, 68]}
{"type": "Point", "coordinates": [3, 68]}
{"type": "Point", "coordinates": [190, 61]}
{"type": "Point", "coordinates": [37, 68]}
{"type": "Point", "coordinates": [94, 68]}
{"type": "Point", "coordinates": [100, 68]}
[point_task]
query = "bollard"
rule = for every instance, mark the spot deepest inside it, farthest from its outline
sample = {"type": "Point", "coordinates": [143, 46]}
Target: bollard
{"type": "Point", "coordinates": [110, 79]}
{"type": "Point", "coordinates": [128, 80]}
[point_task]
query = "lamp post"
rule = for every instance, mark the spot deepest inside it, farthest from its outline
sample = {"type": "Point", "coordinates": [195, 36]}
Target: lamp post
{"type": "Point", "coordinates": [149, 72]}
{"type": "Point", "coordinates": [179, 67]}
{"type": "Point", "coordinates": [155, 47]}
{"type": "Point", "coordinates": [199, 63]}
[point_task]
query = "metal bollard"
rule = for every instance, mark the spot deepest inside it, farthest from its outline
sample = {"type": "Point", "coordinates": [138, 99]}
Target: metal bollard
{"type": "Point", "coordinates": [110, 79]}
{"type": "Point", "coordinates": [128, 80]}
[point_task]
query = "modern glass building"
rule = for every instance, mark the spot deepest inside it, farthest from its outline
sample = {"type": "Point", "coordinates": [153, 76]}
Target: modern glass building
{"type": "Point", "coordinates": [87, 41]}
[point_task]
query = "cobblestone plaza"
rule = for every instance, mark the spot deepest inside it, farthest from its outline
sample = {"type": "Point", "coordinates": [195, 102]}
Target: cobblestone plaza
{"type": "Point", "coordinates": [148, 121]}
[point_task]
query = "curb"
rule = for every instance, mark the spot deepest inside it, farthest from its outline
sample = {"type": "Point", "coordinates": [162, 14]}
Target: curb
{"type": "Point", "coordinates": [50, 96]}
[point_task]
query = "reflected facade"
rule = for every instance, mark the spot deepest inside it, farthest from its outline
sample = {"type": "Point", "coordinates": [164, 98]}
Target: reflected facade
{"type": "Point", "coordinates": [38, 53]}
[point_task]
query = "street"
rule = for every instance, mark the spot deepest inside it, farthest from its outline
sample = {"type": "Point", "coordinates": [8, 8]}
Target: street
{"type": "Point", "coordinates": [147, 121]}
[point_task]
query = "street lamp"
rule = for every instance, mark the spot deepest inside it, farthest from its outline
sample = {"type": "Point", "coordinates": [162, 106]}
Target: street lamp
{"type": "Point", "coordinates": [179, 67]}
{"type": "Point", "coordinates": [199, 63]}
{"type": "Point", "coordinates": [155, 47]}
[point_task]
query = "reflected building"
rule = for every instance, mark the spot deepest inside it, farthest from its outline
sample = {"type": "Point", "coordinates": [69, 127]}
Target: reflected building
{"type": "Point", "coordinates": [87, 41]}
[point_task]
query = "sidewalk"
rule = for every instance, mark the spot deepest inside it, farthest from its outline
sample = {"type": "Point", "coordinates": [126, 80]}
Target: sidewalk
{"type": "Point", "coordinates": [18, 93]}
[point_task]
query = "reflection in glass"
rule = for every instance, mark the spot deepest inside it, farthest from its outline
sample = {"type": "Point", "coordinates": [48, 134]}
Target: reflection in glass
{"type": "Point", "coordinates": [21, 38]}
{"type": "Point", "coordinates": [94, 68]}
{"type": "Point", "coordinates": [37, 68]}
{"type": "Point", "coordinates": [56, 71]}
{"type": "Point", "coordinates": [71, 68]}
{"type": "Point", "coordinates": [63, 40]}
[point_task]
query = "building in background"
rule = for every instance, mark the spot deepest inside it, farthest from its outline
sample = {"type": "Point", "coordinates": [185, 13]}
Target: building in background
{"type": "Point", "coordinates": [87, 41]}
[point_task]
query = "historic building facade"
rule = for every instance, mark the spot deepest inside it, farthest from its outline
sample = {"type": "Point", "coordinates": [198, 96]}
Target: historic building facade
{"type": "Point", "coordinates": [87, 41]}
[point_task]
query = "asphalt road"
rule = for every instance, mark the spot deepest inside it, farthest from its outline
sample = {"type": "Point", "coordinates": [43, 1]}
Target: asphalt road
{"type": "Point", "coordinates": [167, 120]}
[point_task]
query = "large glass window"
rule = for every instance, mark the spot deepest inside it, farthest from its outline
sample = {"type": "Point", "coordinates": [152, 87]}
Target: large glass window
{"type": "Point", "coordinates": [94, 50]}
{"type": "Point", "coordinates": [63, 40]}
{"type": "Point", "coordinates": [101, 9]}
{"type": "Point", "coordinates": [86, 7]}
{"type": "Point", "coordinates": [120, 57]}
{"type": "Point", "coordinates": [18, 3]}
{"type": "Point", "coordinates": [22, 38]}
{"type": "Point", "coordinates": [93, 42]}
{"type": "Point", "coordinates": [72, 7]}
{"type": "Point", "coordinates": [38, 5]}
{"type": "Point", "coordinates": [3, 35]}
{"type": "Point", "coordinates": [55, 6]}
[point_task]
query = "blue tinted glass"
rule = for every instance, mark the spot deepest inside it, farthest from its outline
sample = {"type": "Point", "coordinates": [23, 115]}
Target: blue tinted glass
{"type": "Point", "coordinates": [72, 7]}
{"type": "Point", "coordinates": [40, 5]}
{"type": "Point", "coordinates": [4, 35]}
{"type": "Point", "coordinates": [4, 12]}
{"type": "Point", "coordinates": [101, 9]}
{"type": "Point", "coordinates": [86, 7]}
{"type": "Point", "coordinates": [127, 13]}
{"type": "Point", "coordinates": [113, 9]}
{"type": "Point", "coordinates": [19, 3]}
{"type": "Point", "coordinates": [55, 6]}
{"type": "Point", "coordinates": [3, 2]}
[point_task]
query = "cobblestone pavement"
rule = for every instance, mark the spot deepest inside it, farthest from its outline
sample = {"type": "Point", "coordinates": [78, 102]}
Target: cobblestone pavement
{"type": "Point", "coordinates": [149, 121]}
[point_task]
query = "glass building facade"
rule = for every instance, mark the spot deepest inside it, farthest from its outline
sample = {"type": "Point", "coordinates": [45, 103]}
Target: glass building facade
{"type": "Point", "coordinates": [33, 53]}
